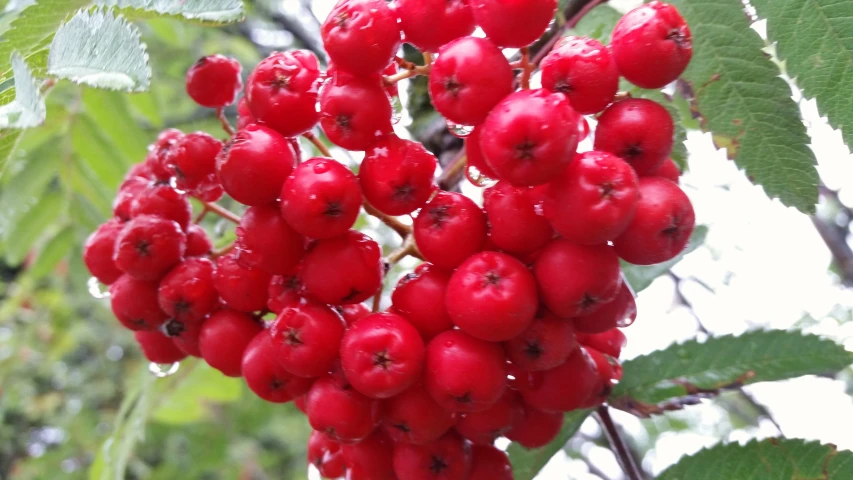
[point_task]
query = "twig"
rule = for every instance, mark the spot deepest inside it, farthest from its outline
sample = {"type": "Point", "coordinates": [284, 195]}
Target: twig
{"type": "Point", "coordinates": [317, 143]}
{"type": "Point", "coordinates": [223, 120]}
{"type": "Point", "coordinates": [453, 173]}
{"type": "Point", "coordinates": [222, 211]}
{"type": "Point", "coordinates": [617, 443]}
{"type": "Point", "coordinates": [526, 68]}
{"type": "Point", "coordinates": [392, 79]}
{"type": "Point", "coordinates": [401, 228]}
{"type": "Point", "coordinates": [201, 215]}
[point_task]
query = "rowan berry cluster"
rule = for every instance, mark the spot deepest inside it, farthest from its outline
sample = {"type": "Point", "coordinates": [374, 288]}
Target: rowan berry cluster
{"type": "Point", "coordinates": [513, 318]}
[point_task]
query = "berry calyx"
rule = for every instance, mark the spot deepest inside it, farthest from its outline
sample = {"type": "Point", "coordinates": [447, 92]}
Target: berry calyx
{"type": "Point", "coordinates": [449, 229]}
{"type": "Point", "coordinates": [265, 377]}
{"type": "Point", "coordinates": [282, 92]}
{"type": "Point", "coordinates": [306, 338]}
{"type": "Point", "coordinates": [582, 69]}
{"type": "Point", "coordinates": [356, 111]}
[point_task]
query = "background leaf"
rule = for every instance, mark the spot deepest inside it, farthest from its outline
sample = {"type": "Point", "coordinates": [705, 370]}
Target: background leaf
{"type": "Point", "coordinates": [191, 399]}
{"type": "Point", "coordinates": [641, 276]}
{"type": "Point", "coordinates": [8, 142]}
{"type": "Point", "coordinates": [527, 463]}
{"type": "Point", "coordinates": [28, 108]}
{"type": "Point", "coordinates": [19, 239]}
{"type": "Point", "coordinates": [771, 355]}
{"type": "Point", "coordinates": [203, 11]}
{"type": "Point", "coordinates": [53, 251]}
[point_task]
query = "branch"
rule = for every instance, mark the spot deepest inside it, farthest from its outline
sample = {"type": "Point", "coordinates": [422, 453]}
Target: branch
{"type": "Point", "coordinates": [617, 443]}
{"type": "Point", "coordinates": [835, 238]}
{"type": "Point", "coordinates": [401, 228]}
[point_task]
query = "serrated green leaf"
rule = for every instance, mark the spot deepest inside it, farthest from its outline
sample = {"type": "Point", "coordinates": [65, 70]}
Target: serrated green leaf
{"type": "Point", "coordinates": [769, 355]}
{"type": "Point", "coordinates": [815, 39]}
{"type": "Point", "coordinates": [100, 49]}
{"type": "Point", "coordinates": [28, 108]}
{"type": "Point", "coordinates": [55, 250]}
{"type": "Point", "coordinates": [201, 11]}
{"type": "Point", "coordinates": [598, 23]}
{"type": "Point", "coordinates": [24, 233]}
{"type": "Point", "coordinates": [191, 400]}
{"type": "Point", "coordinates": [771, 459]}
{"type": "Point", "coordinates": [639, 277]}
{"type": "Point", "coordinates": [527, 463]}
{"type": "Point", "coordinates": [745, 104]}
{"type": "Point", "coordinates": [111, 113]}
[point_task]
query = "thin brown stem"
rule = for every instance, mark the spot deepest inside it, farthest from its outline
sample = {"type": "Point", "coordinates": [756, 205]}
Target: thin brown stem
{"type": "Point", "coordinates": [617, 443]}
{"type": "Point", "coordinates": [317, 143]}
{"type": "Point", "coordinates": [427, 59]}
{"type": "Point", "coordinates": [454, 171]}
{"type": "Point", "coordinates": [392, 79]}
{"type": "Point", "coordinates": [222, 211]}
{"type": "Point", "coordinates": [223, 120]}
{"type": "Point", "coordinates": [405, 64]}
{"type": "Point", "coordinates": [401, 228]}
{"type": "Point", "coordinates": [526, 68]}
{"type": "Point", "coordinates": [201, 215]}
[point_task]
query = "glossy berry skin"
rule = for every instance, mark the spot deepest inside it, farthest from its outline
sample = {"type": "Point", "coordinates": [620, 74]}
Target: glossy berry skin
{"type": "Point", "coordinates": [414, 417]}
{"type": "Point", "coordinates": [464, 374]}
{"type": "Point", "coordinates": [448, 458]}
{"type": "Point", "coordinates": [267, 242]}
{"type": "Point", "coordinates": [449, 229]}
{"type": "Point", "coordinates": [240, 287]}
{"type": "Point", "coordinates": [514, 23]}
{"type": "Point", "coordinates": [325, 454]}
{"type": "Point", "coordinates": [157, 347]}
{"type": "Point", "coordinates": [396, 175]}
{"type": "Point", "coordinates": [370, 459]}
{"type": "Point", "coordinates": [652, 45]}
{"type": "Point", "coordinates": [582, 69]}
{"type": "Point", "coordinates": [147, 247]}
{"type": "Point", "coordinates": [184, 335]}
{"type": "Point", "coordinates": [244, 114]}
{"type": "Point", "coordinates": [162, 201]}
{"type": "Point", "coordinates": [668, 170]}
{"type": "Point", "coordinates": [134, 303]}
{"type": "Point", "coordinates": [429, 24]}
{"type": "Point", "coordinates": [214, 81]}
{"type": "Point", "coordinates": [606, 374]}
{"type": "Point", "coordinates": [593, 200]}
{"type": "Point", "coordinates": [343, 270]}
{"type": "Point", "coordinates": [546, 344]}
{"type": "Point", "coordinates": [129, 189]}
{"type": "Point", "coordinates": [566, 387]}
{"type": "Point", "coordinates": [306, 338]}
{"type": "Point", "coordinates": [265, 377]}
{"type": "Point", "coordinates": [338, 410]}
{"type": "Point", "coordinates": [489, 463]}
{"type": "Point", "coordinates": [361, 36]}
{"type": "Point", "coordinates": [619, 312]}
{"type": "Point", "coordinates": [530, 137]}
{"type": "Point", "coordinates": [576, 280]}
{"type": "Point", "coordinates": [382, 355]}
{"type": "Point", "coordinates": [321, 199]}
{"type": "Point", "coordinates": [514, 224]}
{"type": "Point", "coordinates": [661, 227]}
{"type": "Point", "coordinates": [98, 251]}
{"type": "Point", "coordinates": [156, 165]}
{"type": "Point", "coordinates": [284, 291]}
{"type": "Point", "coordinates": [468, 79]}
{"type": "Point", "coordinates": [610, 342]}
{"type": "Point", "coordinates": [353, 312]}
{"type": "Point", "coordinates": [187, 293]}
{"type": "Point", "coordinates": [535, 428]}
{"type": "Point", "coordinates": [198, 243]}
{"type": "Point", "coordinates": [282, 92]}
{"type": "Point", "coordinates": [492, 296]}
{"type": "Point", "coordinates": [419, 297]}
{"type": "Point", "coordinates": [193, 160]}
{"type": "Point", "coordinates": [474, 155]}
{"type": "Point", "coordinates": [224, 337]}
{"type": "Point", "coordinates": [483, 428]}
{"type": "Point", "coordinates": [255, 164]}
{"type": "Point", "coordinates": [637, 130]}
{"type": "Point", "coordinates": [355, 112]}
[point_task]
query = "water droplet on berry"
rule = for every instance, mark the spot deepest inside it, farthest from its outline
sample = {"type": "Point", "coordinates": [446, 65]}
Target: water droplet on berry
{"type": "Point", "coordinates": [538, 210]}
{"type": "Point", "coordinates": [97, 289]}
{"type": "Point", "coordinates": [161, 370]}
{"type": "Point", "coordinates": [460, 131]}
{"type": "Point", "coordinates": [321, 167]}
{"type": "Point", "coordinates": [476, 177]}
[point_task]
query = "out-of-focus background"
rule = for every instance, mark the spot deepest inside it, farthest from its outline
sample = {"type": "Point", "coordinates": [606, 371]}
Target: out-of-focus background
{"type": "Point", "coordinates": [77, 398]}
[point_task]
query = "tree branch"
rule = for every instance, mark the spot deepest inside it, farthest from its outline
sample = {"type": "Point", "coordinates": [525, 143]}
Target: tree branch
{"type": "Point", "coordinates": [835, 237]}
{"type": "Point", "coordinates": [618, 445]}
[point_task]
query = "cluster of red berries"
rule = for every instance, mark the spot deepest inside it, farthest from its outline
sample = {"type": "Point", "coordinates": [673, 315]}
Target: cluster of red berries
{"type": "Point", "coordinates": [513, 318]}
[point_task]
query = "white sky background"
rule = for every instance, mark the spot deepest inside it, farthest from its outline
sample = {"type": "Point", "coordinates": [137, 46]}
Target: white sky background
{"type": "Point", "coordinates": [768, 268]}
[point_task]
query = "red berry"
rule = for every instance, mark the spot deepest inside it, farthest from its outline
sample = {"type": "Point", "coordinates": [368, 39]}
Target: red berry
{"type": "Point", "coordinates": [429, 24]}
{"type": "Point", "coordinates": [127, 193]}
{"type": "Point", "coordinates": [266, 241]}
{"type": "Point", "coordinates": [530, 137]}
{"type": "Point", "coordinates": [254, 165]}
{"type": "Point", "coordinates": [583, 70]}
{"type": "Point", "coordinates": [414, 417]}
{"type": "Point", "coordinates": [98, 251]}
{"type": "Point", "coordinates": [419, 296]}
{"type": "Point", "coordinates": [193, 159]}
{"type": "Point", "coordinates": [535, 428]}
{"type": "Point", "coordinates": [187, 293]}
{"type": "Point", "coordinates": [610, 342]}
{"type": "Point", "coordinates": [158, 348]}
{"type": "Point", "coordinates": [605, 377]}
{"type": "Point", "coordinates": [354, 312]}
{"type": "Point", "coordinates": [470, 77]}
{"type": "Point", "coordinates": [492, 296]}
{"type": "Point", "coordinates": [198, 243]}
{"type": "Point", "coordinates": [639, 131]}
{"type": "Point", "coordinates": [619, 312]}
{"type": "Point", "coordinates": [284, 291]}
{"type": "Point", "coordinates": [241, 288]}
{"type": "Point", "coordinates": [147, 247]}
{"type": "Point", "coordinates": [214, 81]}
{"type": "Point", "coordinates": [185, 335]}
{"type": "Point", "coordinates": [474, 156]}
{"type": "Point", "coordinates": [157, 160]}
{"type": "Point", "coordinates": [546, 344]}
{"type": "Point", "coordinates": [564, 388]}
{"type": "Point", "coordinates": [361, 36]}
{"type": "Point", "coordinates": [338, 410]}
{"type": "Point", "coordinates": [370, 459]}
{"type": "Point", "coordinates": [489, 463]}
{"type": "Point", "coordinates": [323, 452]}
{"type": "Point", "coordinates": [343, 270]}
{"type": "Point", "coordinates": [134, 303]}
{"type": "Point", "coordinates": [515, 224]}
{"type": "Point", "coordinates": [307, 338]}
{"type": "Point", "coordinates": [661, 227]}
{"type": "Point", "coordinates": [244, 114]}
{"type": "Point", "coordinates": [483, 428]}
{"type": "Point", "coordinates": [382, 355]}
{"type": "Point", "coordinates": [576, 280]}
{"type": "Point", "coordinates": [593, 200]}
{"type": "Point", "coordinates": [668, 170]}
{"type": "Point", "coordinates": [224, 338]}
{"type": "Point", "coordinates": [449, 229]}
{"type": "Point", "coordinates": [321, 199]}
{"type": "Point", "coordinates": [282, 91]}
{"type": "Point", "coordinates": [165, 202]}
{"type": "Point", "coordinates": [652, 45]}
{"type": "Point", "coordinates": [355, 111]}
{"type": "Point", "coordinates": [396, 175]}
{"type": "Point", "coordinates": [266, 377]}
{"type": "Point", "coordinates": [448, 458]}
{"type": "Point", "coordinates": [464, 374]}
{"type": "Point", "coordinates": [514, 23]}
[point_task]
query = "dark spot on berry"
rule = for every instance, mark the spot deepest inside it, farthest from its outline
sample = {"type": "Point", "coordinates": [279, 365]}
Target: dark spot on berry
{"type": "Point", "coordinates": [333, 209]}
{"type": "Point", "coordinates": [563, 86]}
{"type": "Point", "coordinates": [452, 86]}
{"type": "Point", "coordinates": [466, 398]}
{"type": "Point", "coordinates": [679, 37]}
{"type": "Point", "coordinates": [174, 328]}
{"type": "Point", "coordinates": [279, 82]}
{"type": "Point", "coordinates": [588, 301]}
{"type": "Point", "coordinates": [276, 384]}
{"type": "Point", "coordinates": [343, 121]}
{"type": "Point", "coordinates": [437, 465]}
{"type": "Point", "coordinates": [402, 427]}
{"type": "Point", "coordinates": [341, 20]}
{"type": "Point", "coordinates": [291, 337]}
{"type": "Point", "coordinates": [606, 189]}
{"type": "Point", "coordinates": [352, 294]}
{"type": "Point", "coordinates": [382, 360]}
{"type": "Point", "coordinates": [182, 306]}
{"type": "Point", "coordinates": [403, 192]}
{"type": "Point", "coordinates": [632, 151]}
{"type": "Point", "coordinates": [492, 278]}
{"type": "Point", "coordinates": [533, 349]}
{"type": "Point", "coordinates": [439, 215]}
{"type": "Point", "coordinates": [143, 248]}
{"type": "Point", "coordinates": [524, 150]}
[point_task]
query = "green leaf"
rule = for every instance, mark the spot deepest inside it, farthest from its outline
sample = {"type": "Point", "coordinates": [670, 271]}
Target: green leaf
{"type": "Point", "coordinates": [54, 251]}
{"type": "Point", "coordinates": [815, 39]}
{"type": "Point", "coordinates": [146, 105]}
{"type": "Point", "coordinates": [639, 277]}
{"type": "Point", "coordinates": [111, 113]}
{"type": "Point", "coordinates": [720, 361]}
{"type": "Point", "coordinates": [527, 463]}
{"type": "Point", "coordinates": [28, 108]}
{"type": "Point", "coordinates": [744, 103]}
{"type": "Point", "coordinates": [771, 459]}
{"type": "Point", "coordinates": [91, 143]}
{"type": "Point", "coordinates": [190, 401]}
{"type": "Point", "coordinates": [201, 11]}
{"type": "Point", "coordinates": [598, 23]}
{"type": "Point", "coordinates": [8, 142]}
{"type": "Point", "coordinates": [100, 49]}
{"type": "Point", "coordinates": [24, 233]}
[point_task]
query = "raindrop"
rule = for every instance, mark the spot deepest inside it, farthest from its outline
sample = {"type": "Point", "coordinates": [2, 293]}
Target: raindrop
{"type": "Point", "coordinates": [160, 370]}
{"type": "Point", "coordinates": [97, 289]}
{"type": "Point", "coordinates": [477, 178]}
{"type": "Point", "coordinates": [460, 131]}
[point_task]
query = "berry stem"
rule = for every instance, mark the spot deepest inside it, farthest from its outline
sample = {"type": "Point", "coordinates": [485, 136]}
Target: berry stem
{"type": "Point", "coordinates": [418, 70]}
{"type": "Point", "coordinates": [409, 248]}
{"type": "Point", "coordinates": [526, 68]}
{"type": "Point", "coordinates": [452, 174]}
{"type": "Point", "coordinates": [404, 64]}
{"type": "Point", "coordinates": [223, 120]}
{"type": "Point", "coordinates": [427, 59]}
{"type": "Point", "coordinates": [223, 251]}
{"type": "Point", "coordinates": [222, 211]}
{"type": "Point", "coordinates": [617, 443]}
{"type": "Point", "coordinates": [201, 215]}
{"type": "Point", "coordinates": [401, 228]}
{"type": "Point", "coordinates": [317, 143]}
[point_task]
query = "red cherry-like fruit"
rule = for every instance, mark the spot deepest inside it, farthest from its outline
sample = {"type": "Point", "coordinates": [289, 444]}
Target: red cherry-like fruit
{"type": "Point", "coordinates": [483, 428]}
{"type": "Point", "coordinates": [184, 335]}
{"type": "Point", "coordinates": [162, 201]}
{"type": "Point", "coordinates": [414, 417]}
{"type": "Point", "coordinates": [583, 70]}
{"type": "Point", "coordinates": [370, 459]}
{"type": "Point", "coordinates": [338, 410]}
{"type": "Point", "coordinates": [566, 387]}
{"type": "Point", "coordinates": [356, 111]}
{"type": "Point", "coordinates": [214, 81]}
{"type": "Point", "coordinates": [158, 348]}
{"type": "Point", "coordinates": [668, 170]}
{"type": "Point", "coordinates": [361, 36]}
{"type": "Point", "coordinates": [419, 297]}
{"type": "Point", "coordinates": [489, 463]}
{"type": "Point", "coordinates": [98, 251]}
{"type": "Point", "coordinates": [619, 312]}
{"type": "Point", "coordinates": [282, 92]}
{"type": "Point", "coordinates": [546, 344]}
{"type": "Point", "coordinates": [224, 337]}
{"type": "Point", "coordinates": [240, 287]}
{"type": "Point", "coordinates": [610, 342]}
{"type": "Point", "coordinates": [514, 23]}
{"type": "Point", "coordinates": [449, 229]}
{"type": "Point", "coordinates": [535, 428]}
{"type": "Point", "coordinates": [134, 303]}
{"type": "Point", "coordinates": [448, 458]}
{"type": "Point", "coordinates": [254, 165]}
{"type": "Point", "coordinates": [307, 338]}
{"type": "Point", "coordinates": [515, 226]}
{"type": "Point", "coordinates": [639, 131]}
{"type": "Point", "coordinates": [343, 270]}
{"type": "Point", "coordinates": [429, 24]}
{"type": "Point", "coordinates": [193, 160]}
{"type": "Point", "coordinates": [148, 246]}
{"type": "Point", "coordinates": [284, 291]}
{"type": "Point", "coordinates": [267, 242]}
{"type": "Point", "coordinates": [265, 377]}
{"type": "Point", "coordinates": [325, 454]}
{"type": "Point", "coordinates": [396, 175]}
{"type": "Point", "coordinates": [198, 243]}
{"type": "Point", "coordinates": [187, 292]}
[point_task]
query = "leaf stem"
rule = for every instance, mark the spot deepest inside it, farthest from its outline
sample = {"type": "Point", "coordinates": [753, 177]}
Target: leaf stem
{"type": "Point", "coordinates": [617, 443]}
